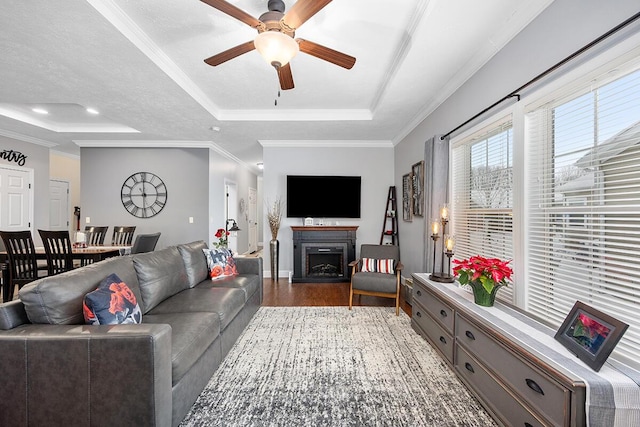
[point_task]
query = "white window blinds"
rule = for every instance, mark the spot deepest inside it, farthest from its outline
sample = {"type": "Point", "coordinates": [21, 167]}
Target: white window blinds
{"type": "Point", "coordinates": [583, 211]}
{"type": "Point", "coordinates": [483, 195]}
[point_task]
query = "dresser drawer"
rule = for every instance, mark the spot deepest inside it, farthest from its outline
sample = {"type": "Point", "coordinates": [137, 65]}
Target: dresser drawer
{"type": "Point", "coordinates": [504, 405]}
{"type": "Point", "coordinates": [438, 309]}
{"type": "Point", "coordinates": [439, 338]}
{"type": "Point", "coordinates": [537, 389]}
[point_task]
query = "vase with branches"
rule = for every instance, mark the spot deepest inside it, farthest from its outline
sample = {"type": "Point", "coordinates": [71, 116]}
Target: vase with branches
{"type": "Point", "coordinates": [274, 216]}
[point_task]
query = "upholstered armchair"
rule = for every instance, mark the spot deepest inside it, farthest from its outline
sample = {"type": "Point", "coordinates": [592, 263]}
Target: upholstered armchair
{"type": "Point", "coordinates": [376, 273]}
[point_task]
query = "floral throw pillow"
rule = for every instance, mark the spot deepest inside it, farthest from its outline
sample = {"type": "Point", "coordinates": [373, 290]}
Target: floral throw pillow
{"type": "Point", "coordinates": [112, 303]}
{"type": "Point", "coordinates": [373, 265]}
{"type": "Point", "coordinates": [220, 262]}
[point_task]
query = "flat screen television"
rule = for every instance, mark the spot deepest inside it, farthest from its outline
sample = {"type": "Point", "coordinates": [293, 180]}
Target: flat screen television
{"type": "Point", "coordinates": [323, 196]}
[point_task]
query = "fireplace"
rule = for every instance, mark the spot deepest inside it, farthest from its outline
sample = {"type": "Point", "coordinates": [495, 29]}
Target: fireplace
{"type": "Point", "coordinates": [324, 261]}
{"type": "Point", "coordinates": [323, 253]}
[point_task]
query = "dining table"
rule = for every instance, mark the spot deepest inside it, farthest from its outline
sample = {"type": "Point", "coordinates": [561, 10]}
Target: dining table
{"type": "Point", "coordinates": [83, 254]}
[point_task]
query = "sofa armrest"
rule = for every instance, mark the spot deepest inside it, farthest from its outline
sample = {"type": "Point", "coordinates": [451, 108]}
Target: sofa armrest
{"type": "Point", "coordinates": [251, 266]}
{"type": "Point", "coordinates": [86, 375]}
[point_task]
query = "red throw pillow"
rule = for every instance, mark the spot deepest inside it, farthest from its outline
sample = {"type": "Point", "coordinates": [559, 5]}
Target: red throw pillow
{"type": "Point", "coordinates": [111, 304]}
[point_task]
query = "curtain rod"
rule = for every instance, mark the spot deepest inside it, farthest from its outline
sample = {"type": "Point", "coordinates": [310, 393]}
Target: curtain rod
{"type": "Point", "coordinates": [548, 71]}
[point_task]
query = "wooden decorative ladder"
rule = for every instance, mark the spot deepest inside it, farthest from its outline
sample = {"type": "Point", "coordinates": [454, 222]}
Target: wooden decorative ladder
{"type": "Point", "coordinates": [389, 235]}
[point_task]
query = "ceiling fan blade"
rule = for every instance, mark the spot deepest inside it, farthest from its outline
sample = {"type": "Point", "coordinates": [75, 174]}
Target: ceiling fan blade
{"type": "Point", "coordinates": [230, 53]}
{"type": "Point", "coordinates": [327, 54]}
{"type": "Point", "coordinates": [285, 77]}
{"type": "Point", "coordinates": [302, 10]}
{"type": "Point", "coordinates": [233, 11]}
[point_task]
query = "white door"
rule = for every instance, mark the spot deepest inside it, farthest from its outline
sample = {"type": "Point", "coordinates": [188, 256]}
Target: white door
{"type": "Point", "coordinates": [58, 205]}
{"type": "Point", "coordinates": [252, 221]}
{"type": "Point", "coordinates": [15, 199]}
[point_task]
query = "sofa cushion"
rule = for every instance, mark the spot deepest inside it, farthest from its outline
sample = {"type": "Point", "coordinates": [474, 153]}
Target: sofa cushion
{"type": "Point", "coordinates": [249, 283]}
{"type": "Point", "coordinates": [226, 302]}
{"type": "Point", "coordinates": [195, 262]}
{"type": "Point", "coordinates": [220, 263]}
{"type": "Point", "coordinates": [191, 335]}
{"type": "Point", "coordinates": [113, 303]}
{"type": "Point", "coordinates": [161, 274]}
{"type": "Point", "coordinates": [57, 300]}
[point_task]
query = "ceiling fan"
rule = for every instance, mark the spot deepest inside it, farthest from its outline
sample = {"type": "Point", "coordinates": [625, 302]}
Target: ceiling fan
{"type": "Point", "coordinates": [275, 40]}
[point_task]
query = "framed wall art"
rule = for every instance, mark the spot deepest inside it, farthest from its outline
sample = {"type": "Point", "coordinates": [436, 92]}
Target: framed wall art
{"type": "Point", "coordinates": [590, 334]}
{"type": "Point", "coordinates": [407, 198]}
{"type": "Point", "coordinates": [417, 174]}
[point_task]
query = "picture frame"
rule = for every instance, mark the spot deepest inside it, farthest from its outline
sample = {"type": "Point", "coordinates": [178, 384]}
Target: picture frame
{"type": "Point", "coordinates": [590, 334]}
{"type": "Point", "coordinates": [417, 173]}
{"type": "Point", "coordinates": [407, 198]}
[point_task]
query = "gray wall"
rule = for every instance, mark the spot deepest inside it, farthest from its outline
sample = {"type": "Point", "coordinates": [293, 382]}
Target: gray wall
{"type": "Point", "coordinates": [374, 165]}
{"type": "Point", "coordinates": [195, 184]}
{"type": "Point", "coordinates": [564, 27]}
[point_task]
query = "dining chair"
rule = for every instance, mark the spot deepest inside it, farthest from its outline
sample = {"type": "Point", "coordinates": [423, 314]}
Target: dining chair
{"type": "Point", "coordinates": [57, 247]}
{"type": "Point", "coordinates": [145, 243]}
{"type": "Point", "coordinates": [95, 235]}
{"type": "Point", "coordinates": [122, 236]}
{"type": "Point", "coordinates": [21, 256]}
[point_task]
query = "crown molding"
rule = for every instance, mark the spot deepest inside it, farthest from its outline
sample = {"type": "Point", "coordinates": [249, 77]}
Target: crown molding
{"type": "Point", "coordinates": [161, 144]}
{"type": "Point", "coordinates": [26, 138]}
{"type": "Point", "coordinates": [325, 144]}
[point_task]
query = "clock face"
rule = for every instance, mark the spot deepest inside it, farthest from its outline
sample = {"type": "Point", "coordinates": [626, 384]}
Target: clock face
{"type": "Point", "coordinates": [143, 194]}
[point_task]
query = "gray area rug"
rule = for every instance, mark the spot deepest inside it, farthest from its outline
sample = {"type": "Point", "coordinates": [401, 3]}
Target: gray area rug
{"type": "Point", "coordinates": [328, 366]}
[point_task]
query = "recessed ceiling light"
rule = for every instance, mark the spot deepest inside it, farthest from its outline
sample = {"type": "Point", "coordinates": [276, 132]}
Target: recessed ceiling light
{"type": "Point", "coordinates": [39, 111]}
{"type": "Point", "coordinates": [92, 111]}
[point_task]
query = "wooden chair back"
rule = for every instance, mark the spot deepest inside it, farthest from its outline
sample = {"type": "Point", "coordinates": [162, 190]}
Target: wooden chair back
{"type": "Point", "coordinates": [21, 254]}
{"type": "Point", "coordinates": [57, 247]}
{"type": "Point", "coordinates": [122, 236]}
{"type": "Point", "coordinates": [95, 235]}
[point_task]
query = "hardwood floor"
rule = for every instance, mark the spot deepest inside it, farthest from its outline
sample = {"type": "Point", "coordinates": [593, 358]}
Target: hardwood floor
{"type": "Point", "coordinates": [285, 294]}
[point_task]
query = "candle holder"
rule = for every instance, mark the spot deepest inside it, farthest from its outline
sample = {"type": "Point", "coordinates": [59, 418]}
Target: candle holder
{"type": "Point", "coordinates": [447, 247]}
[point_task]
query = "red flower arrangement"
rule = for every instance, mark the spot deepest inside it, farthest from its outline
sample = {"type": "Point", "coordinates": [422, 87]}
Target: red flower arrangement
{"type": "Point", "coordinates": [491, 272]}
{"type": "Point", "coordinates": [221, 235]}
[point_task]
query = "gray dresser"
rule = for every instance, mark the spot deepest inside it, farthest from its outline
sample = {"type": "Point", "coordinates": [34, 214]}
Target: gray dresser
{"type": "Point", "coordinates": [514, 382]}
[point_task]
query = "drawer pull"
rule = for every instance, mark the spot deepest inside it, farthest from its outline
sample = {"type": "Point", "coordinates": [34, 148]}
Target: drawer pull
{"type": "Point", "coordinates": [418, 314]}
{"type": "Point", "coordinates": [534, 386]}
{"type": "Point", "coordinates": [470, 335]}
{"type": "Point", "coordinates": [419, 293]}
{"type": "Point", "coordinates": [443, 313]}
{"type": "Point", "coordinates": [442, 340]}
{"type": "Point", "coordinates": [469, 367]}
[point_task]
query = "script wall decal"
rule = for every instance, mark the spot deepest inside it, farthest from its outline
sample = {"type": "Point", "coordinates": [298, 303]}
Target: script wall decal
{"type": "Point", "coordinates": [13, 156]}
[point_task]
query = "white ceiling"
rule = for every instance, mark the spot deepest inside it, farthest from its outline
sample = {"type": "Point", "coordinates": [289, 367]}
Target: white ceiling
{"type": "Point", "coordinates": [140, 64]}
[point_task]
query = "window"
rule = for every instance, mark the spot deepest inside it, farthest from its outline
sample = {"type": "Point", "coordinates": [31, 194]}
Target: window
{"type": "Point", "coordinates": [583, 210]}
{"type": "Point", "coordinates": [483, 195]}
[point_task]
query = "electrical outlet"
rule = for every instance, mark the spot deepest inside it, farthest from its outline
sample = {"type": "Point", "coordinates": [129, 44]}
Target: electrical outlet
{"type": "Point", "coordinates": [87, 220]}
{"type": "Point", "coordinates": [190, 220]}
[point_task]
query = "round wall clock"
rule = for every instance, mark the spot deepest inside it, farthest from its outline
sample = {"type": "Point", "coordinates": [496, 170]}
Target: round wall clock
{"type": "Point", "coordinates": [143, 194]}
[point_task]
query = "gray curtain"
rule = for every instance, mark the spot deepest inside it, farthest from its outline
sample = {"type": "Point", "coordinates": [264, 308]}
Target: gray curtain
{"type": "Point", "coordinates": [436, 186]}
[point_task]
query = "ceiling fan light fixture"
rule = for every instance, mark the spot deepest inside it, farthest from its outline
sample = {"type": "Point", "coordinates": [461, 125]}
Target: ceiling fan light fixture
{"type": "Point", "coordinates": [276, 48]}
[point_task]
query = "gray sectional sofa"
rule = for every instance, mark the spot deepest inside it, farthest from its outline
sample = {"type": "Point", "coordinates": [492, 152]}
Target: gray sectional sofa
{"type": "Point", "coordinates": [55, 370]}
